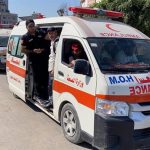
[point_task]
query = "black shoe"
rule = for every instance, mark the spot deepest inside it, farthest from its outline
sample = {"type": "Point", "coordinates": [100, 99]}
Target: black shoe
{"type": "Point", "coordinates": [45, 103]}
{"type": "Point", "coordinates": [42, 102]}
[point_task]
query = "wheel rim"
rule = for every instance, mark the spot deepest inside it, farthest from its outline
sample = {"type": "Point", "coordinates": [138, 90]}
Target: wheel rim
{"type": "Point", "coordinates": [69, 123]}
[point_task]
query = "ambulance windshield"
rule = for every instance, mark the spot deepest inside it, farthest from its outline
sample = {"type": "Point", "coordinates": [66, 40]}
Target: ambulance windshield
{"type": "Point", "coordinates": [121, 55]}
{"type": "Point", "coordinates": [3, 41]}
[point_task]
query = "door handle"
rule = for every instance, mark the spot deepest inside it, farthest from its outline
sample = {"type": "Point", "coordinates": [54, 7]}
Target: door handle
{"type": "Point", "coordinates": [24, 62]}
{"type": "Point", "coordinates": [61, 73]}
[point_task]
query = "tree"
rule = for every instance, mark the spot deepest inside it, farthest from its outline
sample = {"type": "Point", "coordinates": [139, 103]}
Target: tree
{"type": "Point", "coordinates": [136, 12]}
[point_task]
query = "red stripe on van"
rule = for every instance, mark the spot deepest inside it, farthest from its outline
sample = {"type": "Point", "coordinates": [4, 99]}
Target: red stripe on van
{"type": "Point", "coordinates": [82, 97]}
{"type": "Point", "coordinates": [127, 98]}
{"type": "Point", "coordinates": [15, 69]}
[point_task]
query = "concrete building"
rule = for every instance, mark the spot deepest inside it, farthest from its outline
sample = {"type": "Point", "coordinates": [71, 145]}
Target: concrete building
{"type": "Point", "coordinates": [88, 3]}
{"type": "Point", "coordinates": [5, 16]}
{"type": "Point", "coordinates": [5, 2]}
{"type": "Point", "coordinates": [33, 16]}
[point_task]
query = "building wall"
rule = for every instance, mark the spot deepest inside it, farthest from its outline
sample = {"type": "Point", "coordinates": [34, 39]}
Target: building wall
{"type": "Point", "coordinates": [2, 8]}
{"type": "Point", "coordinates": [5, 16]}
{"type": "Point", "coordinates": [8, 18]}
{"type": "Point", "coordinates": [4, 3]}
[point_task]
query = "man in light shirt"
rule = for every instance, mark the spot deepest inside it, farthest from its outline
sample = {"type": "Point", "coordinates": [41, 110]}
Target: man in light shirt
{"type": "Point", "coordinates": [53, 36]}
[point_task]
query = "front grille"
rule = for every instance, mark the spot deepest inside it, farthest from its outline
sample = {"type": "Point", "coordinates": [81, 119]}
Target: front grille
{"type": "Point", "coordinates": [142, 133]}
{"type": "Point", "coordinates": [146, 113]}
{"type": "Point", "coordinates": [145, 104]}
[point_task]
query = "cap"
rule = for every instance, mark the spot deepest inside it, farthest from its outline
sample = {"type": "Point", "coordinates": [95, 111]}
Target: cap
{"type": "Point", "coordinates": [51, 29]}
{"type": "Point", "coordinates": [29, 21]}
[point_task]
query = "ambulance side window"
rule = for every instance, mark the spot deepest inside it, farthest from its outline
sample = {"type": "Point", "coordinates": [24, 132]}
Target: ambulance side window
{"type": "Point", "coordinates": [19, 53]}
{"type": "Point", "coordinates": [67, 51]}
{"type": "Point", "coordinates": [14, 46]}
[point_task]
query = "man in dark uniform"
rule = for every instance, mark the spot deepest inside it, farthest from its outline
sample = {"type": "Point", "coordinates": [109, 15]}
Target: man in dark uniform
{"type": "Point", "coordinates": [33, 45]}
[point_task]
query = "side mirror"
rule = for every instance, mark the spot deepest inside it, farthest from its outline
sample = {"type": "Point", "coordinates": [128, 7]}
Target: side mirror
{"type": "Point", "coordinates": [82, 67]}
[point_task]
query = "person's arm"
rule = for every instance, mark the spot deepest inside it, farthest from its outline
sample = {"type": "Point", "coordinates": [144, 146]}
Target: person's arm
{"type": "Point", "coordinates": [24, 44]}
{"type": "Point", "coordinates": [27, 51]}
{"type": "Point", "coordinates": [24, 48]}
{"type": "Point", "coordinates": [71, 61]}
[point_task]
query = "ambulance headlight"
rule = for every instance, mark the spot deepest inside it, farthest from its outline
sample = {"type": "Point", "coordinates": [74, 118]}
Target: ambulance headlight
{"type": "Point", "coordinates": [111, 108]}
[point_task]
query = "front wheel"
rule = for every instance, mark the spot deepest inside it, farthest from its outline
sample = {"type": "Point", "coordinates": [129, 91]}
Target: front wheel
{"type": "Point", "coordinates": [70, 124]}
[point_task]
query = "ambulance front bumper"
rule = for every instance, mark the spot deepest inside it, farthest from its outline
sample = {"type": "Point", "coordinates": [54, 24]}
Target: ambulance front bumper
{"type": "Point", "coordinates": [117, 133]}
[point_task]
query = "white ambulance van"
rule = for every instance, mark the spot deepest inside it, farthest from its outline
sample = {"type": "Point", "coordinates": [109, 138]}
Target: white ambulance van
{"type": "Point", "coordinates": [4, 35]}
{"type": "Point", "coordinates": [104, 100]}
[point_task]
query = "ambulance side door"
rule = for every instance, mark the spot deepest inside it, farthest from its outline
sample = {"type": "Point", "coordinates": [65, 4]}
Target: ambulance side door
{"type": "Point", "coordinates": [80, 88]}
{"type": "Point", "coordinates": [16, 67]}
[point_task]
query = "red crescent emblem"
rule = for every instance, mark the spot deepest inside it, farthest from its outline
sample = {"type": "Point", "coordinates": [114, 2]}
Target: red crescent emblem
{"type": "Point", "coordinates": [110, 28]}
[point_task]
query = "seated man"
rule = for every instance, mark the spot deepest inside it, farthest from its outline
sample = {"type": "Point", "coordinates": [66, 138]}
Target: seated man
{"type": "Point", "coordinates": [109, 51]}
{"type": "Point", "coordinates": [77, 52]}
{"type": "Point", "coordinates": [127, 54]}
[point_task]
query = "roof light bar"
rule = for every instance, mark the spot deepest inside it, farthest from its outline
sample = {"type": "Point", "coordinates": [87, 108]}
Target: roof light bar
{"type": "Point", "coordinates": [100, 12]}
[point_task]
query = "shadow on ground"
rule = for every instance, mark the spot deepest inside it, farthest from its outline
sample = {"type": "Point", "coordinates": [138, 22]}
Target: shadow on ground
{"type": "Point", "coordinates": [86, 145]}
{"type": "Point", "coordinates": [35, 108]}
{"type": "Point", "coordinates": [32, 106]}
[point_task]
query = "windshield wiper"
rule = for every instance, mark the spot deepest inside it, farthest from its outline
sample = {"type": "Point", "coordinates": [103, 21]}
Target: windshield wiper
{"type": "Point", "coordinates": [134, 69]}
{"type": "Point", "coordinates": [116, 70]}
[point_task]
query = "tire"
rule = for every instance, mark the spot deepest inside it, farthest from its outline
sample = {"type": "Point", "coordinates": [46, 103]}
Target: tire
{"type": "Point", "coordinates": [70, 124]}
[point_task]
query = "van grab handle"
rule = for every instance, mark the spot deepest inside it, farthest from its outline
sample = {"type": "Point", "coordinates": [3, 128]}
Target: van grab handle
{"type": "Point", "coordinates": [61, 73]}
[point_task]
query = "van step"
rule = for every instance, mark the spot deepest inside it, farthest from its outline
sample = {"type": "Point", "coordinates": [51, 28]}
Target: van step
{"type": "Point", "coordinates": [48, 111]}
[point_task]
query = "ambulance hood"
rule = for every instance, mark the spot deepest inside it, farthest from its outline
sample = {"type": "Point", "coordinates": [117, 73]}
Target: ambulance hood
{"type": "Point", "coordinates": [108, 28]}
{"type": "Point", "coordinates": [131, 88]}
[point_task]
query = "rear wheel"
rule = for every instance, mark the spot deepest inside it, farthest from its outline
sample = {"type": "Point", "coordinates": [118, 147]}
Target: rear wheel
{"type": "Point", "coordinates": [70, 124]}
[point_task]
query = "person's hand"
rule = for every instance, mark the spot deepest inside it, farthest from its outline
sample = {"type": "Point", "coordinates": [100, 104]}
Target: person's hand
{"type": "Point", "coordinates": [73, 62]}
{"type": "Point", "coordinates": [38, 51]}
{"type": "Point", "coordinates": [70, 65]}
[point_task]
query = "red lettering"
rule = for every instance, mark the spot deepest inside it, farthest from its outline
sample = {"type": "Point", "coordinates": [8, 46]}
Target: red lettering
{"type": "Point", "coordinates": [102, 34]}
{"type": "Point", "coordinates": [138, 90]}
{"type": "Point", "coordinates": [111, 34]}
{"type": "Point", "coordinates": [148, 88]}
{"type": "Point", "coordinates": [144, 89]}
{"type": "Point", "coordinates": [132, 91]}
{"type": "Point", "coordinates": [119, 35]}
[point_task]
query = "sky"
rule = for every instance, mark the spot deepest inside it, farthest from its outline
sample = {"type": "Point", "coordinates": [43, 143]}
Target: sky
{"type": "Point", "coordinates": [47, 7]}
